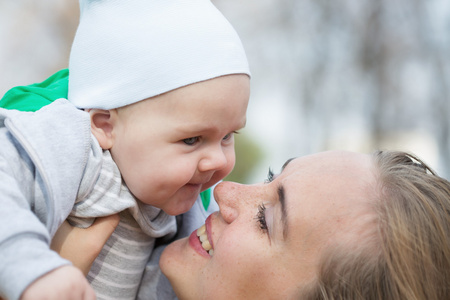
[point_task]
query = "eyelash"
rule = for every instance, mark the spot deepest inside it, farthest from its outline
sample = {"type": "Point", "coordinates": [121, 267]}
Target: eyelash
{"type": "Point", "coordinates": [230, 135]}
{"type": "Point", "coordinates": [270, 176]}
{"type": "Point", "coordinates": [261, 217]}
{"type": "Point", "coordinates": [193, 140]}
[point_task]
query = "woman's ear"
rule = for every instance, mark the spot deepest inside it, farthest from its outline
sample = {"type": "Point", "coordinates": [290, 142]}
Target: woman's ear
{"type": "Point", "coordinates": [102, 125]}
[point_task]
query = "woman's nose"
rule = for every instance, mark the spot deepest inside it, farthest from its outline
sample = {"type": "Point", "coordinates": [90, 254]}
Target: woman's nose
{"type": "Point", "coordinates": [215, 159]}
{"type": "Point", "coordinates": [234, 199]}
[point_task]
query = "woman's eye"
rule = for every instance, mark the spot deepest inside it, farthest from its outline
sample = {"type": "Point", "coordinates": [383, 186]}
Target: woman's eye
{"type": "Point", "coordinates": [270, 176]}
{"type": "Point", "coordinates": [261, 218]}
{"type": "Point", "coordinates": [191, 141]}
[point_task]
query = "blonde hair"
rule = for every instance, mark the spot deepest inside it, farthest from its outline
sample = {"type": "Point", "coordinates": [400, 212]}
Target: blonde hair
{"type": "Point", "coordinates": [407, 253]}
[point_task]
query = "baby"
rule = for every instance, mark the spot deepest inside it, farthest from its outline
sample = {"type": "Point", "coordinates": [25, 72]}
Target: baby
{"type": "Point", "coordinates": [156, 91]}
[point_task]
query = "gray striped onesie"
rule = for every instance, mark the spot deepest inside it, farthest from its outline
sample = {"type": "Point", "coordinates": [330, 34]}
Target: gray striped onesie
{"type": "Point", "coordinates": [118, 270]}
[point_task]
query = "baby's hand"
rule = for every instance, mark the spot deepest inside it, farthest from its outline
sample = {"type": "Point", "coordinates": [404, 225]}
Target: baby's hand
{"type": "Point", "coordinates": [66, 282]}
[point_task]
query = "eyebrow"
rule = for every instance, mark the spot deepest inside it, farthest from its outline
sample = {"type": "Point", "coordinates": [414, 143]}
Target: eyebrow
{"type": "Point", "coordinates": [282, 199]}
{"type": "Point", "coordinates": [286, 163]}
{"type": "Point", "coordinates": [284, 215]}
{"type": "Point", "coordinates": [192, 128]}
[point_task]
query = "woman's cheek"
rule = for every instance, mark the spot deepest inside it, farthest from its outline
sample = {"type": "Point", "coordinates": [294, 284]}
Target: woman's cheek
{"type": "Point", "coordinates": [269, 219]}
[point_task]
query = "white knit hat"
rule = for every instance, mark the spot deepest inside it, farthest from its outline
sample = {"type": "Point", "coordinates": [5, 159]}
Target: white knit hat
{"type": "Point", "coordinates": [129, 50]}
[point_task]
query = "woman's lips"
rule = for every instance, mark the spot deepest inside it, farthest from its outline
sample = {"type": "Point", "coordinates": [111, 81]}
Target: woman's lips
{"type": "Point", "coordinates": [196, 245]}
{"type": "Point", "coordinates": [208, 223]}
{"type": "Point", "coordinates": [201, 239]}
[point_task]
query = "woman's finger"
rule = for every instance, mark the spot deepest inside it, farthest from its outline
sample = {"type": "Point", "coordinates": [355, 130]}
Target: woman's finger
{"type": "Point", "coordinates": [82, 246]}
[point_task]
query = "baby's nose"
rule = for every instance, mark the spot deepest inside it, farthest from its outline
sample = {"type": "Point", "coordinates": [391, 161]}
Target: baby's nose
{"type": "Point", "coordinates": [215, 159]}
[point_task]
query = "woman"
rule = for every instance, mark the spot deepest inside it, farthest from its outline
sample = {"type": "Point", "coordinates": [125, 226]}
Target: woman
{"type": "Point", "coordinates": [334, 225]}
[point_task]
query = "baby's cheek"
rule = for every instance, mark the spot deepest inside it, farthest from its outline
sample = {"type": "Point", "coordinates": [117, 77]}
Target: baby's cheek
{"type": "Point", "coordinates": [218, 176]}
{"type": "Point", "coordinates": [228, 168]}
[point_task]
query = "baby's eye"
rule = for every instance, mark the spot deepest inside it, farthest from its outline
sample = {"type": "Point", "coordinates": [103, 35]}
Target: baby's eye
{"type": "Point", "coordinates": [229, 136]}
{"type": "Point", "coordinates": [191, 141]}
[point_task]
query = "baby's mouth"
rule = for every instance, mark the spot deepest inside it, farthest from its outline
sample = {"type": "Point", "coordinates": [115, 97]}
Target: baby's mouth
{"type": "Point", "coordinates": [203, 237]}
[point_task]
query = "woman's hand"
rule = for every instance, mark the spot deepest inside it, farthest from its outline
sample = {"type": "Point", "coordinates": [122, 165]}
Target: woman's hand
{"type": "Point", "coordinates": [82, 246]}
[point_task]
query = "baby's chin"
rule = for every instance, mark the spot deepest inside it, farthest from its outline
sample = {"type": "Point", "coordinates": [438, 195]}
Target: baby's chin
{"type": "Point", "coordinates": [212, 183]}
{"type": "Point", "coordinates": [180, 207]}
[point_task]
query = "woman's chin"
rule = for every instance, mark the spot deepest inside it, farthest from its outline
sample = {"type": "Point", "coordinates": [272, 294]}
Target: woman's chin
{"type": "Point", "coordinates": [170, 256]}
{"type": "Point", "coordinates": [176, 261]}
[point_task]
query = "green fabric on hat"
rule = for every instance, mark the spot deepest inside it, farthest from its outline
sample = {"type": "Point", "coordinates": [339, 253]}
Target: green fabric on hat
{"type": "Point", "coordinates": [35, 96]}
{"type": "Point", "coordinates": [206, 198]}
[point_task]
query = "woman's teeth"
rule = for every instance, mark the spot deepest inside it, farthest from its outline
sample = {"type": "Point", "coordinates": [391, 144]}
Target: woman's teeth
{"type": "Point", "coordinates": [203, 237]}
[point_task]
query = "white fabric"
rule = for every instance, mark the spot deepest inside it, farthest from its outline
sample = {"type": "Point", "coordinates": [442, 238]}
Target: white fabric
{"type": "Point", "coordinates": [129, 50]}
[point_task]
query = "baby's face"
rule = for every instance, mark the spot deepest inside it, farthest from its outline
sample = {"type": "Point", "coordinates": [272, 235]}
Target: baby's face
{"type": "Point", "coordinates": [171, 147]}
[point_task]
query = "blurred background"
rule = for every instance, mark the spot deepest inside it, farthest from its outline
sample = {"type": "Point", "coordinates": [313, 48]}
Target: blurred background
{"type": "Point", "coordinates": [357, 75]}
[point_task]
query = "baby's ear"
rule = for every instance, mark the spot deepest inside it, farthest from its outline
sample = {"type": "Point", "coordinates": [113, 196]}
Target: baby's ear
{"type": "Point", "coordinates": [102, 125]}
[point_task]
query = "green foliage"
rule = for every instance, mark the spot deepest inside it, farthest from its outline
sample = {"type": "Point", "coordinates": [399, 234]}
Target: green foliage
{"type": "Point", "coordinates": [248, 155]}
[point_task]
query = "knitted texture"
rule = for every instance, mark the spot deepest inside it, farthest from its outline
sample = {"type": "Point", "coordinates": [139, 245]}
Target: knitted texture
{"type": "Point", "coordinates": [128, 51]}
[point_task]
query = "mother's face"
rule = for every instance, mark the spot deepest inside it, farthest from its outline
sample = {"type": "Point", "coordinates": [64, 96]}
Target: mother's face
{"type": "Point", "coordinates": [267, 238]}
